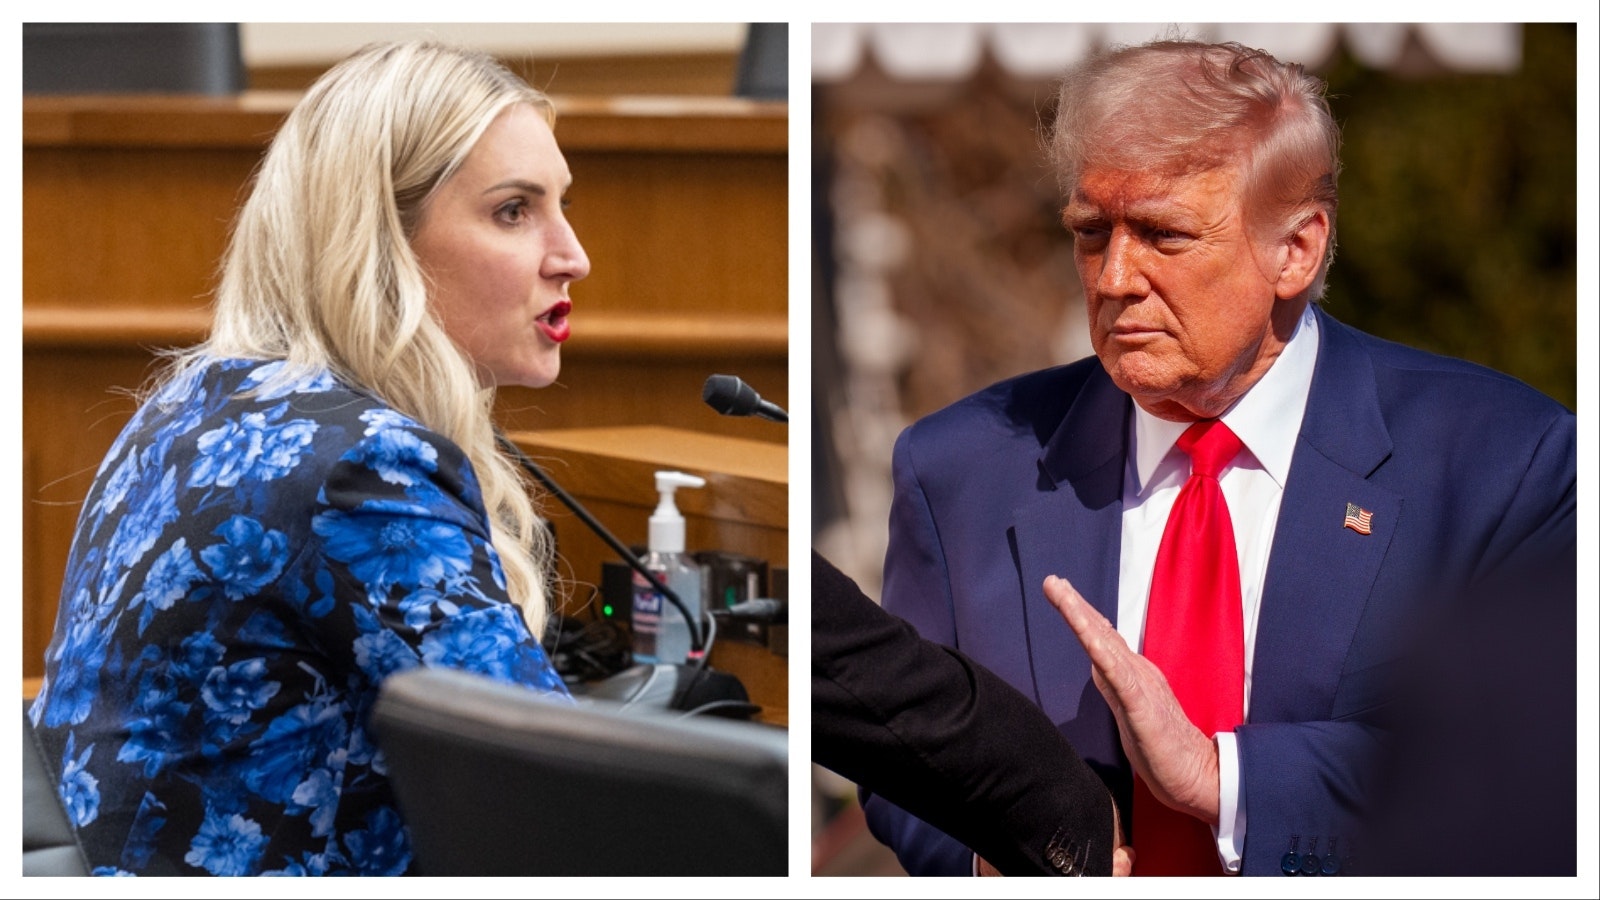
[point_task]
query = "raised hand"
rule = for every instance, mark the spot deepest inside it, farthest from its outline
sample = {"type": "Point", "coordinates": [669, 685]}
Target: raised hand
{"type": "Point", "coordinates": [1176, 760]}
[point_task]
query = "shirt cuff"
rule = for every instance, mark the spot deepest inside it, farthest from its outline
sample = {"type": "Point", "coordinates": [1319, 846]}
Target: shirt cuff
{"type": "Point", "coordinates": [1229, 829]}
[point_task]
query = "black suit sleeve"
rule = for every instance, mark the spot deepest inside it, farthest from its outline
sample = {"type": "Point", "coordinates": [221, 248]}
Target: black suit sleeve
{"type": "Point", "coordinates": [947, 740]}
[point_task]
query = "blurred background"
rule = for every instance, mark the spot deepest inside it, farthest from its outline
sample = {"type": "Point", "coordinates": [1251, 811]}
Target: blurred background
{"type": "Point", "coordinates": [939, 265]}
{"type": "Point", "coordinates": [571, 58]}
{"type": "Point", "coordinates": [568, 57]}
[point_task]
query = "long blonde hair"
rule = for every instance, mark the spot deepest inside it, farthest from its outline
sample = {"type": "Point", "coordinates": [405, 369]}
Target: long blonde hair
{"type": "Point", "coordinates": [320, 273]}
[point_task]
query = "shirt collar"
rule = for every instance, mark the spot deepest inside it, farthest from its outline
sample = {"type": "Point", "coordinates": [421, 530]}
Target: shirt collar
{"type": "Point", "coordinates": [1266, 419]}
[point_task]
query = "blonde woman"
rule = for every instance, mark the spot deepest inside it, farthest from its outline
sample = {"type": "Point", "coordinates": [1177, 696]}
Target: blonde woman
{"type": "Point", "coordinates": [312, 499]}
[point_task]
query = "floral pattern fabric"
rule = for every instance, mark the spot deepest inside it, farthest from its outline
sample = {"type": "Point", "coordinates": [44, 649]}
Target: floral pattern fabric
{"type": "Point", "coordinates": [257, 553]}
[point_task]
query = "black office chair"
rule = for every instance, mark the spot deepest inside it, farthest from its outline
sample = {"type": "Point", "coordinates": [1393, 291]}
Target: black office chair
{"type": "Point", "coordinates": [132, 57]}
{"type": "Point", "coordinates": [763, 69]}
{"type": "Point", "coordinates": [49, 845]}
{"type": "Point", "coordinates": [493, 779]}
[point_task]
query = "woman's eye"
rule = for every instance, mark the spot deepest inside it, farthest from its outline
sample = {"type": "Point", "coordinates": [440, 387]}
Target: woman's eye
{"type": "Point", "coordinates": [512, 213]}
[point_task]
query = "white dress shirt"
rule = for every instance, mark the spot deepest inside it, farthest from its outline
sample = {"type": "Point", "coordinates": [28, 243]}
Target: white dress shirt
{"type": "Point", "coordinates": [1267, 421]}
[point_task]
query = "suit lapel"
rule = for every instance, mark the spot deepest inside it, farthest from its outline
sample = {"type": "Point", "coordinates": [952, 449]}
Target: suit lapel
{"type": "Point", "coordinates": [1321, 572]}
{"type": "Point", "coordinates": [1072, 527]}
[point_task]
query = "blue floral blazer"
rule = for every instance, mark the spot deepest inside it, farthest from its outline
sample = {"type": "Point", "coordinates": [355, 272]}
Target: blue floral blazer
{"type": "Point", "coordinates": [256, 554]}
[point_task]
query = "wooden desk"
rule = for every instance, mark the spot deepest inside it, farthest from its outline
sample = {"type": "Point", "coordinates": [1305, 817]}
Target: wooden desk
{"type": "Point", "coordinates": [744, 508]}
{"type": "Point", "coordinates": [681, 204]}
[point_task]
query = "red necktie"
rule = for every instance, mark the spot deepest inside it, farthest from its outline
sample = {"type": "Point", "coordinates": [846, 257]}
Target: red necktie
{"type": "Point", "coordinates": [1194, 631]}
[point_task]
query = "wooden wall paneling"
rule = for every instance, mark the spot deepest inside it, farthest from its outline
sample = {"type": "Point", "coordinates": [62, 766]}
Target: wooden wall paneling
{"type": "Point", "coordinates": [127, 227]}
{"type": "Point", "coordinates": [676, 74]}
{"type": "Point", "coordinates": [657, 236]}
{"type": "Point", "coordinates": [710, 73]}
{"type": "Point", "coordinates": [641, 390]}
{"type": "Point", "coordinates": [69, 421]}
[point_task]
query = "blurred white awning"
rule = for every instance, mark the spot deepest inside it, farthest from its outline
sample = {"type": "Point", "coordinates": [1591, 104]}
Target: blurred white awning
{"type": "Point", "coordinates": [953, 51]}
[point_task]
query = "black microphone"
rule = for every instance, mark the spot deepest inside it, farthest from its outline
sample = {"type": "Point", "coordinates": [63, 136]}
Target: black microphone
{"type": "Point", "coordinates": [732, 397]}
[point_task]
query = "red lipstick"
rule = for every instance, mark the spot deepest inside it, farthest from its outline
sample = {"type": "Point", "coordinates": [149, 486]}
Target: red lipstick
{"type": "Point", "coordinates": [554, 322]}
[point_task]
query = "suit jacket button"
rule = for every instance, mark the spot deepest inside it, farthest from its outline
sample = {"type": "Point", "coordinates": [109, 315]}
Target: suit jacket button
{"type": "Point", "coordinates": [1070, 859]}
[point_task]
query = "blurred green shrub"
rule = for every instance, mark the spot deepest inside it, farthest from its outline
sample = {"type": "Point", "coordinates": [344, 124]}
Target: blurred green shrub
{"type": "Point", "coordinates": [1458, 211]}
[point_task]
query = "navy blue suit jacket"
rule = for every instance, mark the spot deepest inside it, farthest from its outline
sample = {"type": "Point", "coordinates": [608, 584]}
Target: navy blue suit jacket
{"type": "Point", "coordinates": [1465, 470]}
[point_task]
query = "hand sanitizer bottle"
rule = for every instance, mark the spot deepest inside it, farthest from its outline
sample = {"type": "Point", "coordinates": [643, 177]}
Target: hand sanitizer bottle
{"type": "Point", "coordinates": [660, 633]}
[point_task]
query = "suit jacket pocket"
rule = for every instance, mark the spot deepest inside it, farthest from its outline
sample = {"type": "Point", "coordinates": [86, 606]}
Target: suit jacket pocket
{"type": "Point", "coordinates": [1368, 693]}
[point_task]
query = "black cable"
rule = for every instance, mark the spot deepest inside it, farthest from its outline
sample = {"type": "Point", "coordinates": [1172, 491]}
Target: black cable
{"type": "Point", "coordinates": [699, 646]}
{"type": "Point", "coordinates": [584, 651]}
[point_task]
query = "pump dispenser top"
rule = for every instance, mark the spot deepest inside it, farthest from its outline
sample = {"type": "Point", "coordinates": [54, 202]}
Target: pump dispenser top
{"type": "Point", "coordinates": [666, 523]}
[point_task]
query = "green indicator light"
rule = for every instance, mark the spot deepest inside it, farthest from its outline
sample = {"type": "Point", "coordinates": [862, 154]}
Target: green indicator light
{"type": "Point", "coordinates": [607, 610]}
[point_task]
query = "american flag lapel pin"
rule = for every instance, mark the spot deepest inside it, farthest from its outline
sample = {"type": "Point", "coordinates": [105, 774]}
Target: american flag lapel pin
{"type": "Point", "coordinates": [1357, 519]}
